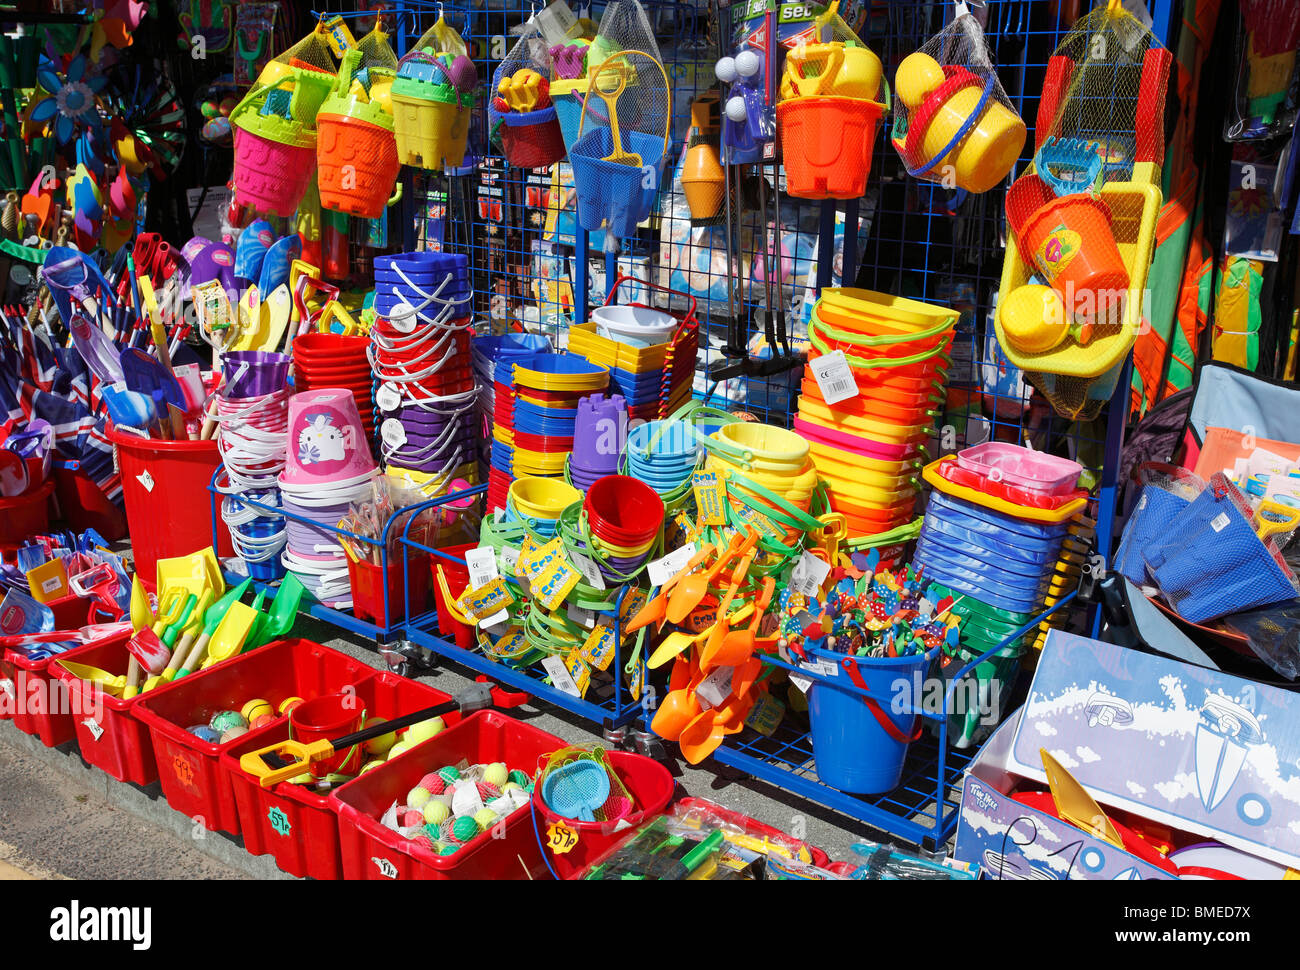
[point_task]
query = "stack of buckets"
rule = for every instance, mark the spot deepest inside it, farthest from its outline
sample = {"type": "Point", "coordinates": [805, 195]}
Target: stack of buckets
{"type": "Point", "coordinates": [599, 437]}
{"type": "Point", "coordinates": [329, 468]}
{"type": "Point", "coordinates": [357, 149]}
{"type": "Point", "coordinates": [868, 447]}
{"type": "Point", "coordinates": [624, 516]}
{"type": "Point", "coordinates": [537, 502]}
{"type": "Point", "coordinates": [275, 136]}
{"type": "Point", "coordinates": [252, 436]}
{"type": "Point", "coordinates": [663, 454]}
{"type": "Point", "coordinates": [488, 353]}
{"type": "Point", "coordinates": [536, 418]}
{"type": "Point", "coordinates": [424, 378]}
{"type": "Point", "coordinates": [334, 360]}
{"type": "Point", "coordinates": [767, 469]}
{"type": "Point", "coordinates": [999, 561]}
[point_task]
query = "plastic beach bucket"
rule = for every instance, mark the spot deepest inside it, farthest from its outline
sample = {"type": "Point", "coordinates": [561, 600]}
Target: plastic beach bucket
{"type": "Point", "coordinates": [827, 144]}
{"type": "Point", "coordinates": [326, 718]}
{"type": "Point", "coordinates": [1070, 241]}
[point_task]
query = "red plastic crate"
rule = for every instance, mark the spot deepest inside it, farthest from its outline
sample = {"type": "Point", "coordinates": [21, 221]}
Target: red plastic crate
{"type": "Point", "coordinates": [372, 851]}
{"type": "Point", "coordinates": [40, 704]}
{"type": "Point", "coordinates": [112, 740]}
{"type": "Point", "coordinates": [189, 769]}
{"type": "Point", "coordinates": [293, 823]}
{"type": "Point", "coordinates": [368, 582]}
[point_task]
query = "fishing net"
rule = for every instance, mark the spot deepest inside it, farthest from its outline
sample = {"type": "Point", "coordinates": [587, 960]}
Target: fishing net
{"type": "Point", "coordinates": [622, 147]}
{"type": "Point", "coordinates": [521, 115]}
{"type": "Point", "coordinates": [1083, 216]}
{"type": "Point", "coordinates": [619, 804]}
{"type": "Point", "coordinates": [953, 122]}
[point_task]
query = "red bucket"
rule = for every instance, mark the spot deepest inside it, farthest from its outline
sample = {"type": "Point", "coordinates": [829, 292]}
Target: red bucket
{"type": "Point", "coordinates": [624, 511]}
{"type": "Point", "coordinates": [827, 144]}
{"type": "Point", "coordinates": [270, 176]}
{"type": "Point", "coordinates": [536, 145]}
{"type": "Point", "coordinates": [326, 718]}
{"type": "Point", "coordinates": [368, 583]}
{"type": "Point", "coordinates": [24, 516]}
{"type": "Point", "coordinates": [83, 505]}
{"type": "Point", "coordinates": [165, 486]}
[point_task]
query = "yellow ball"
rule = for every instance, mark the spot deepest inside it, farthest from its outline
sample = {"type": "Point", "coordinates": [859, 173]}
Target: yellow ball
{"type": "Point", "coordinates": [256, 708]}
{"type": "Point", "coordinates": [418, 797]}
{"type": "Point", "coordinates": [381, 745]}
{"type": "Point", "coordinates": [401, 747]}
{"type": "Point", "coordinates": [289, 703]}
{"type": "Point", "coordinates": [1033, 319]}
{"type": "Point", "coordinates": [368, 765]}
{"type": "Point", "coordinates": [496, 773]}
{"type": "Point", "coordinates": [424, 730]}
{"type": "Point", "coordinates": [917, 77]}
{"type": "Point", "coordinates": [484, 819]}
{"type": "Point", "coordinates": [436, 812]}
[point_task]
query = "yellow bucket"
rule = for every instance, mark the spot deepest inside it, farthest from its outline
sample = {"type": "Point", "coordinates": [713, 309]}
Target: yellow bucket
{"type": "Point", "coordinates": [542, 498]}
{"type": "Point", "coordinates": [430, 134]}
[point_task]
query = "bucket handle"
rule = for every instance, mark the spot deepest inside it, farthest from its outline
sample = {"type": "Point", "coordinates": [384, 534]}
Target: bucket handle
{"type": "Point", "coordinates": [971, 120]}
{"type": "Point", "coordinates": [850, 666]}
{"type": "Point", "coordinates": [834, 62]}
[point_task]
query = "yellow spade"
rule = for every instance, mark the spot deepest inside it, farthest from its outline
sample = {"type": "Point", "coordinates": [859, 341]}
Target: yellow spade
{"type": "Point", "coordinates": [677, 641]}
{"type": "Point", "coordinates": [170, 606]}
{"type": "Point", "coordinates": [141, 610]}
{"type": "Point", "coordinates": [299, 268]}
{"type": "Point", "coordinates": [193, 573]}
{"type": "Point", "coordinates": [1075, 805]}
{"type": "Point", "coordinates": [189, 633]}
{"type": "Point", "coordinates": [228, 639]}
{"type": "Point", "coordinates": [248, 317]}
{"type": "Point", "coordinates": [105, 681]}
{"type": "Point", "coordinates": [610, 97]}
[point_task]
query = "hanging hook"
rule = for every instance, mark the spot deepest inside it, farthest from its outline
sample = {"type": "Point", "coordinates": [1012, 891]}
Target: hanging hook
{"type": "Point", "coordinates": [440, 17]}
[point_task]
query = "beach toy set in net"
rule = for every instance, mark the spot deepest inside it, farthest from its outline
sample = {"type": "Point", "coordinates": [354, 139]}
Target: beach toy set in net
{"type": "Point", "coordinates": [433, 99]}
{"type": "Point", "coordinates": [521, 115]}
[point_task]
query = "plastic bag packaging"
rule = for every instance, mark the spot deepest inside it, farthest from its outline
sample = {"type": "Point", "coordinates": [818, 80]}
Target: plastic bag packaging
{"type": "Point", "coordinates": [1211, 561]}
{"type": "Point", "coordinates": [521, 115]}
{"type": "Point", "coordinates": [433, 99]}
{"type": "Point", "coordinates": [1166, 491]}
{"type": "Point", "coordinates": [953, 122]}
{"type": "Point", "coordinates": [1273, 633]}
{"type": "Point", "coordinates": [1264, 105]}
{"type": "Point", "coordinates": [888, 863]}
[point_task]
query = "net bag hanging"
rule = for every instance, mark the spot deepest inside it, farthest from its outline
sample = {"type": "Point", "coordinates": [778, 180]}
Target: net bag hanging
{"type": "Point", "coordinates": [357, 150]}
{"type": "Point", "coordinates": [433, 100]}
{"type": "Point", "coordinates": [521, 116]}
{"type": "Point", "coordinates": [1212, 562]}
{"type": "Point", "coordinates": [618, 167]}
{"type": "Point", "coordinates": [1083, 216]}
{"type": "Point", "coordinates": [829, 107]}
{"type": "Point", "coordinates": [624, 26]}
{"type": "Point", "coordinates": [275, 127]}
{"type": "Point", "coordinates": [953, 122]}
{"type": "Point", "coordinates": [1166, 491]}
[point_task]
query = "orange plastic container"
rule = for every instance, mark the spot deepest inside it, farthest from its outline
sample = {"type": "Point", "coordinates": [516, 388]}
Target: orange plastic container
{"type": "Point", "coordinates": [827, 144]}
{"type": "Point", "coordinates": [358, 165]}
{"type": "Point", "coordinates": [1070, 240]}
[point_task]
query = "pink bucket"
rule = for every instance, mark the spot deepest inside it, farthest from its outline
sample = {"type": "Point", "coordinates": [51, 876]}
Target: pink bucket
{"type": "Point", "coordinates": [270, 176]}
{"type": "Point", "coordinates": [327, 442]}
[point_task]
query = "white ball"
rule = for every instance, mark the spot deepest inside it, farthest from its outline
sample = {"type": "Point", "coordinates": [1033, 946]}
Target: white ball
{"type": "Point", "coordinates": [748, 63]}
{"type": "Point", "coordinates": [736, 109]}
{"type": "Point", "coordinates": [725, 69]}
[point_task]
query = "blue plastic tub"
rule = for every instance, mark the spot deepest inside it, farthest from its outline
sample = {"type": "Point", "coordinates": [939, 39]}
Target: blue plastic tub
{"type": "Point", "coordinates": [853, 752]}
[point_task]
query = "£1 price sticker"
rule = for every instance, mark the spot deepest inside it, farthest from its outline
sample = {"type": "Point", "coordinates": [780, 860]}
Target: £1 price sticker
{"type": "Point", "coordinates": [834, 377]}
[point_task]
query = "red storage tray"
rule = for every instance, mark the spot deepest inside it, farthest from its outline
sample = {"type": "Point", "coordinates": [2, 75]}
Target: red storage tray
{"type": "Point", "coordinates": [372, 851]}
{"type": "Point", "coordinates": [189, 769]}
{"type": "Point", "coordinates": [112, 739]}
{"type": "Point", "coordinates": [40, 704]}
{"type": "Point", "coordinates": [293, 823]}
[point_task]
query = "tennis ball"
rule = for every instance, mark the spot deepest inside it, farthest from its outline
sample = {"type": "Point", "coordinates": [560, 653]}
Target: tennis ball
{"type": "Point", "coordinates": [262, 720]}
{"type": "Point", "coordinates": [496, 773]}
{"type": "Point", "coordinates": [255, 707]}
{"type": "Point", "coordinates": [434, 783]}
{"type": "Point", "coordinates": [424, 730]}
{"type": "Point", "coordinates": [435, 813]}
{"type": "Point", "coordinates": [464, 829]}
{"type": "Point", "coordinates": [484, 819]}
{"type": "Point", "coordinates": [368, 765]}
{"type": "Point", "coordinates": [520, 778]}
{"type": "Point", "coordinates": [231, 733]}
{"type": "Point", "coordinates": [383, 744]}
{"type": "Point", "coordinates": [225, 720]}
{"type": "Point", "coordinates": [401, 747]}
{"type": "Point", "coordinates": [418, 797]}
{"type": "Point", "coordinates": [289, 703]}
{"type": "Point", "coordinates": [449, 773]}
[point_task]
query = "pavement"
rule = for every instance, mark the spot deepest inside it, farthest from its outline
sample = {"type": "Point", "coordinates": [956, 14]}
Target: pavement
{"type": "Point", "coordinates": [61, 818]}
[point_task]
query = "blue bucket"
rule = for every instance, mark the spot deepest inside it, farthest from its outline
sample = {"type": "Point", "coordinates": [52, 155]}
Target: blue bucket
{"type": "Point", "coordinates": [852, 751]}
{"type": "Point", "coordinates": [608, 192]}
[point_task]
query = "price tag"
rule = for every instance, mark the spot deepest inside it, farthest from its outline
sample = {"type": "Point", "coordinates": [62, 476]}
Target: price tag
{"type": "Point", "coordinates": [662, 570]}
{"type": "Point", "coordinates": [482, 564]}
{"type": "Point", "coordinates": [578, 670]}
{"type": "Point", "coordinates": [145, 479]}
{"type": "Point", "coordinates": [560, 677]}
{"type": "Point", "coordinates": [560, 838]}
{"type": "Point", "coordinates": [555, 22]}
{"type": "Point", "coordinates": [486, 601]}
{"type": "Point", "coordinates": [636, 680]}
{"type": "Point", "coordinates": [584, 618]}
{"type": "Point", "coordinates": [388, 397]}
{"type": "Point", "coordinates": [834, 377]}
{"type": "Point", "coordinates": [766, 715]}
{"type": "Point", "coordinates": [393, 433]}
{"type": "Point", "coordinates": [533, 561]}
{"type": "Point", "coordinates": [554, 583]}
{"type": "Point", "coordinates": [808, 574]}
{"type": "Point", "coordinates": [598, 650]}
{"type": "Point", "coordinates": [337, 35]}
{"type": "Point", "coordinates": [803, 683]}
{"type": "Point", "coordinates": [710, 498]}
{"type": "Point", "coordinates": [823, 667]}
{"type": "Point", "coordinates": [526, 550]}
{"type": "Point", "coordinates": [633, 602]}
{"type": "Point", "coordinates": [590, 571]}
{"type": "Point", "coordinates": [1220, 522]}
{"type": "Point", "coordinates": [92, 725]}
{"type": "Point", "coordinates": [716, 687]}
{"type": "Point", "coordinates": [510, 559]}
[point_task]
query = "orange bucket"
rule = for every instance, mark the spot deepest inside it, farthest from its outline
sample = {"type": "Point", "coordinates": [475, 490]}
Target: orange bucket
{"type": "Point", "coordinates": [827, 144]}
{"type": "Point", "coordinates": [358, 165]}
{"type": "Point", "coordinates": [1070, 240]}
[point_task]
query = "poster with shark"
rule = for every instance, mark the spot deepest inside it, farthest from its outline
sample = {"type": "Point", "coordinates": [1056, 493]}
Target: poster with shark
{"type": "Point", "coordinates": [1197, 749]}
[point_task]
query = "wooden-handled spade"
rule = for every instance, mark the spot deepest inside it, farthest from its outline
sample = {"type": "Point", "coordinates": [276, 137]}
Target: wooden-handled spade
{"type": "Point", "coordinates": [289, 758]}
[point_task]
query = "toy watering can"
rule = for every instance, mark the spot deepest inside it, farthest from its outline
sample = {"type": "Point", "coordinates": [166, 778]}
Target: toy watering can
{"type": "Point", "coordinates": [821, 70]}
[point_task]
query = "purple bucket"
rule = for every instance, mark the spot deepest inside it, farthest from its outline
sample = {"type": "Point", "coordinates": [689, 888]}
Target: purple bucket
{"type": "Point", "coordinates": [267, 373]}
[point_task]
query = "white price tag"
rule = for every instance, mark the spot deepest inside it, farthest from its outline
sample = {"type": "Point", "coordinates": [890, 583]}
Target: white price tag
{"type": "Point", "coordinates": [555, 22]}
{"type": "Point", "coordinates": [716, 687]}
{"type": "Point", "coordinates": [808, 574]}
{"type": "Point", "coordinates": [584, 618]}
{"type": "Point", "coordinates": [662, 570]}
{"type": "Point", "coordinates": [803, 683]}
{"type": "Point", "coordinates": [590, 571]}
{"type": "Point", "coordinates": [402, 318]}
{"type": "Point", "coordinates": [834, 377]}
{"type": "Point", "coordinates": [388, 397]}
{"type": "Point", "coordinates": [96, 731]}
{"type": "Point", "coordinates": [823, 667]}
{"type": "Point", "coordinates": [1220, 522]}
{"type": "Point", "coordinates": [393, 433]}
{"type": "Point", "coordinates": [145, 479]}
{"type": "Point", "coordinates": [510, 558]}
{"type": "Point", "coordinates": [51, 585]}
{"type": "Point", "coordinates": [482, 564]}
{"type": "Point", "coordinates": [560, 678]}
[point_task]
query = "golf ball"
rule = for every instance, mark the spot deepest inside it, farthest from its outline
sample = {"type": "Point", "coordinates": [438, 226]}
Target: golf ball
{"type": "Point", "coordinates": [747, 64]}
{"type": "Point", "coordinates": [725, 69]}
{"type": "Point", "coordinates": [736, 109]}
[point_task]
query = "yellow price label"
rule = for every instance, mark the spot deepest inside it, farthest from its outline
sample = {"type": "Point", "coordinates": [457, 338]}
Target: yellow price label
{"type": "Point", "coordinates": [598, 650]}
{"type": "Point", "coordinates": [710, 498]}
{"type": "Point", "coordinates": [486, 600]}
{"type": "Point", "coordinates": [554, 583]}
{"type": "Point", "coordinates": [560, 838]}
{"type": "Point", "coordinates": [633, 602]}
{"type": "Point", "coordinates": [578, 670]}
{"type": "Point", "coordinates": [337, 35]}
{"type": "Point", "coordinates": [540, 558]}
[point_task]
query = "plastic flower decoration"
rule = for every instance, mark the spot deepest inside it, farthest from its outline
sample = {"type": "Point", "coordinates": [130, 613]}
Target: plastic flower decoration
{"type": "Point", "coordinates": [72, 99]}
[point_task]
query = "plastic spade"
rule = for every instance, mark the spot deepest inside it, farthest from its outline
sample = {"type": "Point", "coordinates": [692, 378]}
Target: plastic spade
{"type": "Point", "coordinates": [737, 646]}
{"type": "Point", "coordinates": [1074, 804]}
{"type": "Point", "coordinates": [691, 590]}
{"type": "Point", "coordinates": [169, 638]}
{"type": "Point", "coordinates": [106, 682]}
{"type": "Point", "coordinates": [230, 634]}
{"type": "Point", "coordinates": [654, 610]}
{"type": "Point", "coordinates": [677, 641]}
{"type": "Point", "coordinates": [284, 611]}
{"type": "Point", "coordinates": [212, 618]}
{"type": "Point", "coordinates": [189, 631]}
